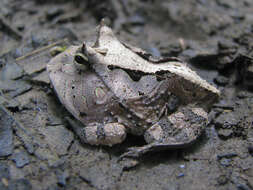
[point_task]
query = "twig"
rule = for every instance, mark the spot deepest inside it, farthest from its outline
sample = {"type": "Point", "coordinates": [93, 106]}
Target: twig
{"type": "Point", "coordinates": [37, 51]}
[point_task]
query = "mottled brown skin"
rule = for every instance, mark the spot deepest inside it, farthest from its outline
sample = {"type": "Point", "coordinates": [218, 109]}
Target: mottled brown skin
{"type": "Point", "coordinates": [113, 89]}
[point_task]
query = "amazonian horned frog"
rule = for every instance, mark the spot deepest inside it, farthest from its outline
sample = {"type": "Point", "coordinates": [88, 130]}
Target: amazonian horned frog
{"type": "Point", "coordinates": [114, 89]}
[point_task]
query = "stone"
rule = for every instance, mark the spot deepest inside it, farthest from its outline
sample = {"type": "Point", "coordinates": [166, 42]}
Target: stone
{"type": "Point", "coordinates": [222, 179]}
{"type": "Point", "coordinates": [16, 173]}
{"type": "Point", "coordinates": [50, 156]}
{"type": "Point", "coordinates": [62, 176]}
{"type": "Point", "coordinates": [14, 88]}
{"type": "Point", "coordinates": [4, 170]}
{"type": "Point", "coordinates": [11, 71]}
{"type": "Point", "coordinates": [26, 139]}
{"type": "Point", "coordinates": [6, 133]}
{"type": "Point", "coordinates": [45, 154]}
{"type": "Point", "coordinates": [4, 175]}
{"type": "Point", "coordinates": [20, 158]}
{"type": "Point", "coordinates": [58, 138]}
{"type": "Point", "coordinates": [225, 133]}
{"type": "Point", "coordinates": [225, 162]}
{"type": "Point", "coordinates": [226, 120]}
{"type": "Point", "coordinates": [19, 184]}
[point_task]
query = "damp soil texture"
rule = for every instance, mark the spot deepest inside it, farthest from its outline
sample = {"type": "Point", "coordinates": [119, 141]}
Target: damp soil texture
{"type": "Point", "coordinates": [39, 151]}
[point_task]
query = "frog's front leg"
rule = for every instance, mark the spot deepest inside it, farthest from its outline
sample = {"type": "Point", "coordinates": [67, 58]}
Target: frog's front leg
{"type": "Point", "coordinates": [178, 130]}
{"type": "Point", "coordinates": [98, 133]}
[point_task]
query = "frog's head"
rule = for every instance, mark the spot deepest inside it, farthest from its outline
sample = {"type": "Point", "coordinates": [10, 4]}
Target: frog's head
{"type": "Point", "coordinates": [89, 55]}
{"type": "Point", "coordinates": [81, 57]}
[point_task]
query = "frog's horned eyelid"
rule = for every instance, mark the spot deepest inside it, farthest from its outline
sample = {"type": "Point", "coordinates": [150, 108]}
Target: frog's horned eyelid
{"type": "Point", "coordinates": [103, 22]}
{"type": "Point", "coordinates": [84, 47]}
{"type": "Point", "coordinates": [86, 50]}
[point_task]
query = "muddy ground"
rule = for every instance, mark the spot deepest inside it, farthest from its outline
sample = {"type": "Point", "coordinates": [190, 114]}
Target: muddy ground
{"type": "Point", "coordinates": [38, 150]}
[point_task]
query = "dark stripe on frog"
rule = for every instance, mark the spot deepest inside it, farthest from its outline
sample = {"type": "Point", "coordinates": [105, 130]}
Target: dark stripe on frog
{"type": "Point", "coordinates": [133, 74]}
{"type": "Point", "coordinates": [196, 120]}
{"type": "Point", "coordinates": [193, 117]}
{"type": "Point", "coordinates": [169, 130]}
{"type": "Point", "coordinates": [100, 131]}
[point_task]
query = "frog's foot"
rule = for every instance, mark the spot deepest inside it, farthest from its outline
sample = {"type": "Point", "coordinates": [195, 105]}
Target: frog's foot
{"type": "Point", "coordinates": [99, 134]}
{"type": "Point", "coordinates": [178, 130]}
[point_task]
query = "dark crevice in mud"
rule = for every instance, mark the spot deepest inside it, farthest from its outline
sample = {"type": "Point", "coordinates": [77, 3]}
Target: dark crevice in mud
{"type": "Point", "coordinates": [134, 140]}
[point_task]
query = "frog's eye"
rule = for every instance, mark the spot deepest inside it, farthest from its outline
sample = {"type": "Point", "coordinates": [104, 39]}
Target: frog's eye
{"type": "Point", "coordinates": [81, 59]}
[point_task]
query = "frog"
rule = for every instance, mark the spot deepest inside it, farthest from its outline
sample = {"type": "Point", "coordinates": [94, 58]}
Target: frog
{"type": "Point", "coordinates": [113, 89]}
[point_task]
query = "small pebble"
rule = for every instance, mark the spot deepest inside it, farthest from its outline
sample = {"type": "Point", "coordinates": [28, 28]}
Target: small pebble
{"type": "Point", "coordinates": [180, 175]}
{"type": "Point", "coordinates": [222, 180]}
{"type": "Point", "coordinates": [225, 162]}
{"type": "Point", "coordinates": [11, 71]}
{"type": "Point", "coordinates": [62, 176]}
{"type": "Point", "coordinates": [20, 158]}
{"type": "Point", "coordinates": [6, 133]}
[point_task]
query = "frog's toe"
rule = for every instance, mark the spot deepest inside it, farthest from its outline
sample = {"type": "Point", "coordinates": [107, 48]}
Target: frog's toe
{"type": "Point", "coordinates": [179, 129]}
{"type": "Point", "coordinates": [135, 152]}
{"type": "Point", "coordinates": [99, 134]}
{"type": "Point", "coordinates": [105, 134]}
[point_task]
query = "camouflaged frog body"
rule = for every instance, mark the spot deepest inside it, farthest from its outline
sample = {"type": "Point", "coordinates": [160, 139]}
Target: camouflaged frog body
{"type": "Point", "coordinates": [113, 91]}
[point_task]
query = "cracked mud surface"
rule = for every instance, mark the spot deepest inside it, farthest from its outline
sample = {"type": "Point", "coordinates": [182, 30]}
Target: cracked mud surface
{"type": "Point", "coordinates": [39, 151]}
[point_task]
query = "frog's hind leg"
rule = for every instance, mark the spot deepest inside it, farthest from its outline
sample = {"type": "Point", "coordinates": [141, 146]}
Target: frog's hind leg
{"type": "Point", "coordinates": [178, 130]}
{"type": "Point", "coordinates": [99, 134]}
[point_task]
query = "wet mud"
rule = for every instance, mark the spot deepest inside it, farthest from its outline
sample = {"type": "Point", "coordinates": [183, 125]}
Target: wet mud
{"type": "Point", "coordinates": [38, 149]}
